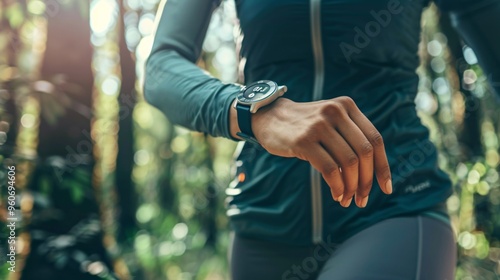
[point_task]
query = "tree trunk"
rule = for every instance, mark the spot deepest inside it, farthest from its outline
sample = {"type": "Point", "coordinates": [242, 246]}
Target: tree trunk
{"type": "Point", "coordinates": [9, 114]}
{"type": "Point", "coordinates": [470, 134]}
{"type": "Point", "coordinates": [68, 240]}
{"type": "Point", "coordinates": [127, 202]}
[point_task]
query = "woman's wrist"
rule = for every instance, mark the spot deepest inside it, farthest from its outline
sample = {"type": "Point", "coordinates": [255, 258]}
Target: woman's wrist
{"type": "Point", "coordinates": [233, 121]}
{"type": "Point", "coordinates": [259, 119]}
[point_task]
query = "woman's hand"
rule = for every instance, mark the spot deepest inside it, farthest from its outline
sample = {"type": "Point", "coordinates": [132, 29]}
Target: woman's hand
{"type": "Point", "coordinates": [334, 137]}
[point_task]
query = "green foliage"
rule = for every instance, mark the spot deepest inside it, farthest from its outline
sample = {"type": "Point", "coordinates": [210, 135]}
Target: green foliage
{"type": "Point", "coordinates": [15, 15]}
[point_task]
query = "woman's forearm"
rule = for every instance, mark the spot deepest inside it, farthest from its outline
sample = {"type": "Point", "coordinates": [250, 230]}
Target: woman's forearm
{"type": "Point", "coordinates": [188, 95]}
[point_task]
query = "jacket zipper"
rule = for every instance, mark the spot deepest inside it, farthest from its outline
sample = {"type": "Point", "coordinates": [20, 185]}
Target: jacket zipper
{"type": "Point", "coordinates": [319, 78]}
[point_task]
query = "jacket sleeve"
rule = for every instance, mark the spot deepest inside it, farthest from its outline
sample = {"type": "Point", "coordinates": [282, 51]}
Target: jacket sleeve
{"type": "Point", "coordinates": [478, 22]}
{"type": "Point", "coordinates": [185, 93]}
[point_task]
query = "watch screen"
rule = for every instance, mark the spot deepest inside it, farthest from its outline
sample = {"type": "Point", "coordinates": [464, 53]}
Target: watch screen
{"type": "Point", "coordinates": [256, 91]}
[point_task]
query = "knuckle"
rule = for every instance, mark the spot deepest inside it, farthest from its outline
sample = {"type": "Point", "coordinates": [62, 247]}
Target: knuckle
{"type": "Point", "coordinates": [348, 101]}
{"type": "Point", "coordinates": [329, 168]}
{"type": "Point", "coordinates": [317, 126]}
{"type": "Point", "coordinates": [366, 149]}
{"type": "Point", "coordinates": [376, 139]}
{"type": "Point", "coordinates": [351, 160]}
{"type": "Point", "coordinates": [330, 109]}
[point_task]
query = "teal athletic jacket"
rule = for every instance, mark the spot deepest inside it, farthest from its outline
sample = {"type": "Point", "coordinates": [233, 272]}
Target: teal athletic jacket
{"type": "Point", "coordinates": [319, 49]}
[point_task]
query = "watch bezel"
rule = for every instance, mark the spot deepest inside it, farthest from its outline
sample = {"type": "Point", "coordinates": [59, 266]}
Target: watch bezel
{"type": "Point", "coordinates": [273, 87]}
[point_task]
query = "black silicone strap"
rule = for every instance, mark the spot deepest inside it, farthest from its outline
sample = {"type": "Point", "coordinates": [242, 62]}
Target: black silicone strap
{"type": "Point", "coordinates": [248, 138]}
{"type": "Point", "coordinates": [244, 119]}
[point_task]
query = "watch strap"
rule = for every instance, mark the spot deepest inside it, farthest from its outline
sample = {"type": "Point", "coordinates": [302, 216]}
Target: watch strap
{"type": "Point", "coordinates": [244, 119]}
{"type": "Point", "coordinates": [247, 138]}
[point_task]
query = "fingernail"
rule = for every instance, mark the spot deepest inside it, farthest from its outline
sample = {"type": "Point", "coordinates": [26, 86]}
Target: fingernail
{"type": "Point", "coordinates": [388, 186]}
{"type": "Point", "coordinates": [364, 201]}
{"type": "Point", "coordinates": [347, 203]}
{"type": "Point", "coordinates": [339, 199]}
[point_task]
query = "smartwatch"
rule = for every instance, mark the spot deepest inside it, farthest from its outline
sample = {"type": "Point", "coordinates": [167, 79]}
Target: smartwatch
{"type": "Point", "coordinates": [250, 99]}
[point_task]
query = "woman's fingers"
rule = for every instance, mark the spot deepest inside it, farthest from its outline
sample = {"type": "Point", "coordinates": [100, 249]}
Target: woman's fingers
{"type": "Point", "coordinates": [336, 139]}
{"type": "Point", "coordinates": [320, 159]}
{"type": "Point", "coordinates": [347, 159]}
{"type": "Point", "coordinates": [381, 164]}
{"type": "Point", "coordinates": [364, 152]}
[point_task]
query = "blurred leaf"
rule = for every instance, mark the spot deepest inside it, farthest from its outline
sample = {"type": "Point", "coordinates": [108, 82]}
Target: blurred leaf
{"type": "Point", "coordinates": [15, 15]}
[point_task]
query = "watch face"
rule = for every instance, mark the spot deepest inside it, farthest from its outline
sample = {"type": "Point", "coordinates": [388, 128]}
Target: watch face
{"type": "Point", "coordinates": [257, 91]}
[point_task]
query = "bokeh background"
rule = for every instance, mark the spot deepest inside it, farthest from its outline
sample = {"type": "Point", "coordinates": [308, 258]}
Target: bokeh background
{"type": "Point", "coordinates": [108, 188]}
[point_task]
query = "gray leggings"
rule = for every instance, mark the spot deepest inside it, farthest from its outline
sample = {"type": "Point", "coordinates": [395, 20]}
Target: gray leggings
{"type": "Point", "coordinates": [417, 248]}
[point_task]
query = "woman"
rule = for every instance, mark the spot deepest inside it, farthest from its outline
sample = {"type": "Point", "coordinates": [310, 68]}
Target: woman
{"type": "Point", "coordinates": [345, 130]}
